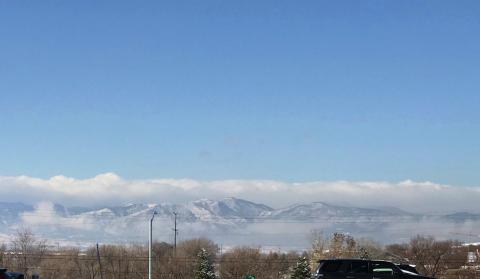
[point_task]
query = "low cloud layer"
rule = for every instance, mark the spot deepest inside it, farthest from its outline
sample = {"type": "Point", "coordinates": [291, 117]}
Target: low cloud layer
{"type": "Point", "coordinates": [44, 214]}
{"type": "Point", "coordinates": [111, 189]}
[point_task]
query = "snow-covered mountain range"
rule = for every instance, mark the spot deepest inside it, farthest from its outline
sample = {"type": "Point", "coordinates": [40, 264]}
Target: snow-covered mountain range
{"type": "Point", "coordinates": [229, 221]}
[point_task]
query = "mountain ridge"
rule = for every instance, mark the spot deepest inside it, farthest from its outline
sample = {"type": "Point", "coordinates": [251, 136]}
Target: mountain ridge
{"type": "Point", "coordinates": [229, 207]}
{"type": "Point", "coordinates": [229, 220]}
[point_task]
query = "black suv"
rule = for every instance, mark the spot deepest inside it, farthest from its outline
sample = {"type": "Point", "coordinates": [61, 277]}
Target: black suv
{"type": "Point", "coordinates": [364, 269]}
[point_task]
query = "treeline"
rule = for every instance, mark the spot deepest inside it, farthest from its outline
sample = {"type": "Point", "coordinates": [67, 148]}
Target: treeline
{"type": "Point", "coordinates": [30, 255]}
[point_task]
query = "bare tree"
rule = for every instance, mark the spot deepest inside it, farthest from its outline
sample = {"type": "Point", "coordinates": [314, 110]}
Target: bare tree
{"type": "Point", "coordinates": [190, 248]}
{"type": "Point", "coordinates": [318, 248]}
{"type": "Point", "coordinates": [3, 248]}
{"type": "Point", "coordinates": [342, 245]}
{"type": "Point", "coordinates": [28, 250]}
{"type": "Point", "coordinates": [245, 260]}
{"type": "Point", "coordinates": [429, 254]}
{"type": "Point", "coordinates": [239, 262]}
{"type": "Point", "coordinates": [369, 249]}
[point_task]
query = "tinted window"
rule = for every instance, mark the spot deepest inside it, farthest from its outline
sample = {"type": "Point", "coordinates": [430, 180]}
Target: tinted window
{"type": "Point", "coordinates": [331, 266]}
{"type": "Point", "coordinates": [359, 267]}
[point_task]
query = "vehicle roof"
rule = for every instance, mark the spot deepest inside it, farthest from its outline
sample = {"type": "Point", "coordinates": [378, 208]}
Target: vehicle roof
{"type": "Point", "coordinates": [352, 259]}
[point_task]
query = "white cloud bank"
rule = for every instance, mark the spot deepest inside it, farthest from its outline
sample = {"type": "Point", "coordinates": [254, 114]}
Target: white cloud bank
{"type": "Point", "coordinates": [44, 214]}
{"type": "Point", "coordinates": [111, 189]}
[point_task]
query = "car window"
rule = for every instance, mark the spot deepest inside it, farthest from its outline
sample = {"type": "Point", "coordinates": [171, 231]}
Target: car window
{"type": "Point", "coordinates": [359, 267]}
{"type": "Point", "coordinates": [331, 266]}
{"type": "Point", "coordinates": [383, 267]}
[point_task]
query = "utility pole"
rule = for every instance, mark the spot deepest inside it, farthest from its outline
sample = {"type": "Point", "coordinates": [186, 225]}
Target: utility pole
{"type": "Point", "coordinates": [99, 262]}
{"type": "Point", "coordinates": [150, 247]}
{"type": "Point", "coordinates": [175, 232]}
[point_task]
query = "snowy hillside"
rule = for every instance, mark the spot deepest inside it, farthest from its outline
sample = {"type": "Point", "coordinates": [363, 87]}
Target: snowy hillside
{"type": "Point", "coordinates": [230, 221]}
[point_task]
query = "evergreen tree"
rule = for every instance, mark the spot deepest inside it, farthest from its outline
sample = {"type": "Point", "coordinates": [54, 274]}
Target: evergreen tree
{"type": "Point", "coordinates": [302, 269]}
{"type": "Point", "coordinates": [204, 268]}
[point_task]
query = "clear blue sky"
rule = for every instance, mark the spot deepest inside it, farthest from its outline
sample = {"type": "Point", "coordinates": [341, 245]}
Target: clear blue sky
{"type": "Point", "coordinates": [288, 90]}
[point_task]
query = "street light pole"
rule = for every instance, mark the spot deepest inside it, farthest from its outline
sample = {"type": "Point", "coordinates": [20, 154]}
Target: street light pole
{"type": "Point", "coordinates": [150, 247]}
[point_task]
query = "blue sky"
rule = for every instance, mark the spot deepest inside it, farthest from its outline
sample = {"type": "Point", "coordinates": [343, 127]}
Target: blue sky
{"type": "Point", "coordinates": [286, 90]}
